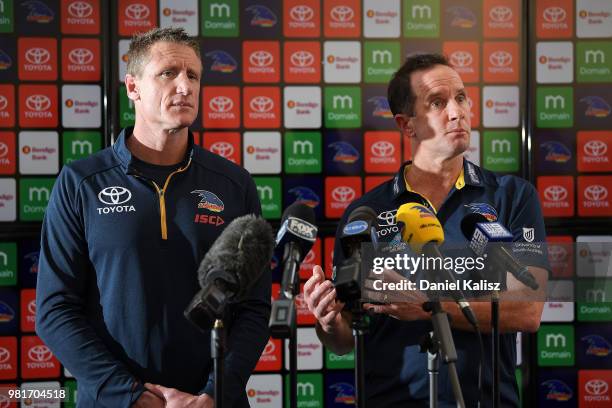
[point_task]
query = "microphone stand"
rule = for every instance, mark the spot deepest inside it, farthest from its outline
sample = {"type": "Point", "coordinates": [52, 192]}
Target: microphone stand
{"type": "Point", "coordinates": [440, 343]}
{"type": "Point", "coordinates": [217, 351]}
{"type": "Point", "coordinates": [359, 325]}
{"type": "Point", "coordinates": [283, 320]}
{"type": "Point", "coordinates": [495, 334]}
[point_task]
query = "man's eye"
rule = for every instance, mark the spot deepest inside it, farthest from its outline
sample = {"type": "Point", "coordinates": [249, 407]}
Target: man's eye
{"type": "Point", "coordinates": [461, 98]}
{"type": "Point", "coordinates": [436, 104]}
{"type": "Point", "coordinates": [166, 74]}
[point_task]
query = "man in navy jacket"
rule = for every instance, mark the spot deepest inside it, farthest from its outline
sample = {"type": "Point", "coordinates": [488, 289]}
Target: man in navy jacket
{"type": "Point", "coordinates": [122, 238]}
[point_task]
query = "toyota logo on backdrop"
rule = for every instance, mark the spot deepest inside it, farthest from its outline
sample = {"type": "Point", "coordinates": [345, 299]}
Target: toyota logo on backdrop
{"type": "Point", "coordinates": [269, 349]}
{"type": "Point", "coordinates": [596, 386]}
{"type": "Point", "coordinates": [556, 253]}
{"type": "Point", "coordinates": [555, 193]}
{"type": "Point", "coordinates": [554, 14]}
{"type": "Point", "coordinates": [3, 149]}
{"type": "Point", "coordinates": [223, 149]}
{"type": "Point", "coordinates": [37, 56]}
{"type": "Point", "coordinates": [261, 58]}
{"type": "Point", "coordinates": [5, 355]}
{"type": "Point", "coordinates": [80, 56]}
{"type": "Point", "coordinates": [40, 353]}
{"type": "Point", "coordinates": [302, 59]}
{"type": "Point", "coordinates": [137, 11]}
{"type": "Point", "coordinates": [343, 194]}
{"type": "Point", "coordinates": [301, 13]}
{"type": "Point", "coordinates": [500, 58]}
{"type": "Point", "coordinates": [595, 148]}
{"type": "Point", "coordinates": [382, 148]}
{"type": "Point", "coordinates": [32, 307]}
{"type": "Point", "coordinates": [342, 14]}
{"type": "Point", "coordinates": [596, 193]}
{"type": "Point", "coordinates": [461, 58]}
{"type": "Point", "coordinates": [221, 104]}
{"type": "Point", "coordinates": [80, 9]}
{"type": "Point", "coordinates": [38, 103]}
{"type": "Point", "coordinates": [3, 102]}
{"type": "Point", "coordinates": [500, 14]}
{"type": "Point", "coordinates": [114, 195]}
{"type": "Point", "coordinates": [261, 104]}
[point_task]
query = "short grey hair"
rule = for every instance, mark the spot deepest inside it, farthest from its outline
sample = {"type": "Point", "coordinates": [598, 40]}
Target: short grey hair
{"type": "Point", "coordinates": [141, 43]}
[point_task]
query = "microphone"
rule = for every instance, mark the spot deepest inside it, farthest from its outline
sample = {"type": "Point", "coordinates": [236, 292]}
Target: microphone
{"type": "Point", "coordinates": [480, 232]}
{"type": "Point", "coordinates": [293, 241]}
{"type": "Point", "coordinates": [424, 233]}
{"type": "Point", "coordinates": [360, 228]}
{"type": "Point", "coordinates": [234, 262]}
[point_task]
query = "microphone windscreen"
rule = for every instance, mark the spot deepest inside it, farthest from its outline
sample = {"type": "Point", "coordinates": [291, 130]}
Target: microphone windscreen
{"type": "Point", "coordinates": [299, 210]}
{"type": "Point", "coordinates": [363, 213]}
{"type": "Point", "coordinates": [242, 251]}
{"type": "Point", "coordinates": [420, 226]}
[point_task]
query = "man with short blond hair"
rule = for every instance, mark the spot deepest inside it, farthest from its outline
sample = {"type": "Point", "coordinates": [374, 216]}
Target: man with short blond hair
{"type": "Point", "coordinates": [122, 238]}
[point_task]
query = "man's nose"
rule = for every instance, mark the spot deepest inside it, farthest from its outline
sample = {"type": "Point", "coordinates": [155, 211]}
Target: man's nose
{"type": "Point", "coordinates": [182, 86]}
{"type": "Point", "coordinates": [455, 110]}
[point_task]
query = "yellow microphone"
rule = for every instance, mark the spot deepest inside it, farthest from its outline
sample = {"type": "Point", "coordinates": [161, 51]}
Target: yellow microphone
{"type": "Point", "coordinates": [421, 226]}
{"type": "Point", "coordinates": [424, 233]}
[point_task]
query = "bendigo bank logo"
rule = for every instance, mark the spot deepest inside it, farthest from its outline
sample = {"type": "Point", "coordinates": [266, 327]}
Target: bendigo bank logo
{"type": "Point", "coordinates": [115, 199]}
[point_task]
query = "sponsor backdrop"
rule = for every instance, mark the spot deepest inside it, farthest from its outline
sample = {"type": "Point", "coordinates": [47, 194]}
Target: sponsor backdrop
{"type": "Point", "coordinates": [295, 92]}
{"type": "Point", "coordinates": [570, 99]}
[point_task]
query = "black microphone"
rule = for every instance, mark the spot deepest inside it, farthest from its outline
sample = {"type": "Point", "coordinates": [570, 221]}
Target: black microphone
{"type": "Point", "coordinates": [487, 238]}
{"type": "Point", "coordinates": [234, 262]}
{"type": "Point", "coordinates": [357, 230]}
{"type": "Point", "coordinates": [424, 233]}
{"type": "Point", "coordinates": [293, 241]}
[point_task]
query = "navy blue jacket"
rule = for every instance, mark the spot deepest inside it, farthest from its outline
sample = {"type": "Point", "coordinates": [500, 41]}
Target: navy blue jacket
{"type": "Point", "coordinates": [118, 266]}
{"type": "Point", "coordinates": [397, 376]}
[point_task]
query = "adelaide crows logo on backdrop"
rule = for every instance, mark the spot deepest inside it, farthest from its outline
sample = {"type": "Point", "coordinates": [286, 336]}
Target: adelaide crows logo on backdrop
{"type": "Point", "coordinates": [209, 201]}
{"type": "Point", "coordinates": [345, 152]}
{"type": "Point", "coordinates": [222, 62]}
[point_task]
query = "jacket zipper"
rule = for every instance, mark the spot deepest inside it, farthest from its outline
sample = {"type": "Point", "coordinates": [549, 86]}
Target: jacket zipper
{"type": "Point", "coordinates": [162, 200]}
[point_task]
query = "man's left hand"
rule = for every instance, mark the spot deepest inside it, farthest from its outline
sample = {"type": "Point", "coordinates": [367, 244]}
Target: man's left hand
{"type": "Point", "coordinates": [178, 399]}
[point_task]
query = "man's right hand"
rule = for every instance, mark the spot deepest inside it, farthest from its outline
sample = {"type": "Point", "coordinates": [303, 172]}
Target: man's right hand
{"type": "Point", "coordinates": [149, 400]}
{"type": "Point", "coordinates": [320, 296]}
